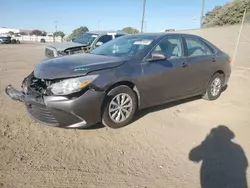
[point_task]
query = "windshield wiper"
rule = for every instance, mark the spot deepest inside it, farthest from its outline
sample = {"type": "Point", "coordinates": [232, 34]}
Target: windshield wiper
{"type": "Point", "coordinates": [102, 54]}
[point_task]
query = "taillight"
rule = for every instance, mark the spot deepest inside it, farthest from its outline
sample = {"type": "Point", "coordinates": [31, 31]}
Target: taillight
{"type": "Point", "coordinates": [229, 59]}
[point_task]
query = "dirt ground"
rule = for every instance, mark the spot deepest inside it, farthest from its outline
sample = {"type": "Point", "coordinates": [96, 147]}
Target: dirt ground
{"type": "Point", "coordinates": [153, 151]}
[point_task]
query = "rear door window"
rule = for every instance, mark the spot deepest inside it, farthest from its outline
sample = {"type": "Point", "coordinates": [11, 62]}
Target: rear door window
{"type": "Point", "coordinates": [195, 47]}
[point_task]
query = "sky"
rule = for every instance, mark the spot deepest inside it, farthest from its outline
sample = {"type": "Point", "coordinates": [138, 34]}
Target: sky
{"type": "Point", "coordinates": [108, 14]}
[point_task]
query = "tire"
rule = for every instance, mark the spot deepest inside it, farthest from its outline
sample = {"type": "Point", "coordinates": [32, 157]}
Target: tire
{"type": "Point", "coordinates": [122, 93]}
{"type": "Point", "coordinates": [211, 94]}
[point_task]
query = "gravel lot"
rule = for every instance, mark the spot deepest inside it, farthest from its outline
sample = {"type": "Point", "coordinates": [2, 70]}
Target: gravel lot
{"type": "Point", "coordinates": [151, 152]}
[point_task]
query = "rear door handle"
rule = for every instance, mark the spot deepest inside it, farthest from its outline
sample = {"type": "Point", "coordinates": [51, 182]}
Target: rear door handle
{"type": "Point", "coordinates": [214, 60]}
{"type": "Point", "coordinates": [184, 64]}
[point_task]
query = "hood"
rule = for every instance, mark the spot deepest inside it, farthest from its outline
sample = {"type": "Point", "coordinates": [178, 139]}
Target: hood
{"type": "Point", "coordinates": [75, 65]}
{"type": "Point", "coordinates": [65, 45]}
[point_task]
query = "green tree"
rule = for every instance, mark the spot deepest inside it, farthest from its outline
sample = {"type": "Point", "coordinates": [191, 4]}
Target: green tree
{"type": "Point", "coordinates": [11, 33]}
{"type": "Point", "coordinates": [37, 32]}
{"type": "Point", "coordinates": [59, 34]}
{"type": "Point", "coordinates": [228, 14]}
{"type": "Point", "coordinates": [130, 30]}
{"type": "Point", "coordinates": [77, 32]}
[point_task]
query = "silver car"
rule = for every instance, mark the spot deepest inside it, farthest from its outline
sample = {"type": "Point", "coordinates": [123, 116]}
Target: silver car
{"type": "Point", "coordinates": [83, 43]}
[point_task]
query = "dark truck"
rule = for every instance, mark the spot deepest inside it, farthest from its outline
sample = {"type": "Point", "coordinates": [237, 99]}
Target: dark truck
{"type": "Point", "coordinates": [83, 43]}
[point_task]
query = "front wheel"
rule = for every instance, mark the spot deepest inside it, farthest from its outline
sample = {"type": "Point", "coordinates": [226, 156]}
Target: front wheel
{"type": "Point", "coordinates": [119, 107]}
{"type": "Point", "coordinates": [214, 87]}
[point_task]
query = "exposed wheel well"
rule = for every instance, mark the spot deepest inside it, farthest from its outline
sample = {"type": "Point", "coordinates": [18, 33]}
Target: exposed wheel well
{"type": "Point", "coordinates": [222, 73]}
{"type": "Point", "coordinates": [130, 85]}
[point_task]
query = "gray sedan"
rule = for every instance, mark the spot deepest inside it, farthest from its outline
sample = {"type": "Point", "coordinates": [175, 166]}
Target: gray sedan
{"type": "Point", "coordinates": [114, 80]}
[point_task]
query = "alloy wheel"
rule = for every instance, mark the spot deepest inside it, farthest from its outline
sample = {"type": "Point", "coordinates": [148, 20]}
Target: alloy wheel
{"type": "Point", "coordinates": [120, 107]}
{"type": "Point", "coordinates": [215, 87]}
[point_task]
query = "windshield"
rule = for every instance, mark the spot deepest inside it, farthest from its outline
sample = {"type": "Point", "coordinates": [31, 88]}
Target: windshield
{"type": "Point", "coordinates": [128, 45]}
{"type": "Point", "coordinates": [86, 38]}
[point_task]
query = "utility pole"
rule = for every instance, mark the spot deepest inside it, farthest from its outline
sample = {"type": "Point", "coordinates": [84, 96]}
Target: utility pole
{"type": "Point", "coordinates": [145, 26]}
{"type": "Point", "coordinates": [98, 25]}
{"type": "Point", "coordinates": [143, 13]}
{"type": "Point", "coordinates": [54, 39]}
{"type": "Point", "coordinates": [56, 25]}
{"type": "Point", "coordinates": [202, 12]}
{"type": "Point", "coordinates": [238, 39]}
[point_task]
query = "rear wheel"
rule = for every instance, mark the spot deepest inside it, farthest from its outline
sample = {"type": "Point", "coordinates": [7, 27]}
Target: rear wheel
{"type": "Point", "coordinates": [214, 87]}
{"type": "Point", "coordinates": [119, 107]}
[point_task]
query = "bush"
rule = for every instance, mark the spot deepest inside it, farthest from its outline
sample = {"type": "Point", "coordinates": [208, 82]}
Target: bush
{"type": "Point", "coordinates": [77, 32]}
{"type": "Point", "coordinates": [130, 30]}
{"type": "Point", "coordinates": [228, 14]}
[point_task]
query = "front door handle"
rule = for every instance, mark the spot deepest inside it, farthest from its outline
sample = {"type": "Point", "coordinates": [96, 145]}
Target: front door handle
{"type": "Point", "coordinates": [184, 64]}
{"type": "Point", "coordinates": [214, 59]}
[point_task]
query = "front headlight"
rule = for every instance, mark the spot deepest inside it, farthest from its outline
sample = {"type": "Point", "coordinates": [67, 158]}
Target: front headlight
{"type": "Point", "coordinates": [72, 85]}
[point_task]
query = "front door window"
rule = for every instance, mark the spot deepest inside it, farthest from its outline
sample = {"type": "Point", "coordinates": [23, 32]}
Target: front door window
{"type": "Point", "coordinates": [171, 47]}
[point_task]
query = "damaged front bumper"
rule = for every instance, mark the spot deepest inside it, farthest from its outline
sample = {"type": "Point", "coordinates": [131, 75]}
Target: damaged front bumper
{"type": "Point", "coordinates": [15, 94]}
{"type": "Point", "coordinates": [61, 111]}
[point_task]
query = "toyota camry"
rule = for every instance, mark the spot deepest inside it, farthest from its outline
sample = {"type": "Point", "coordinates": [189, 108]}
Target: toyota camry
{"type": "Point", "coordinates": [110, 83]}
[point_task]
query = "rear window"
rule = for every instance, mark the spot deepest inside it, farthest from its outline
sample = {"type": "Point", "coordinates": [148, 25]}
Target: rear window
{"type": "Point", "coordinates": [118, 35]}
{"type": "Point", "coordinates": [105, 38]}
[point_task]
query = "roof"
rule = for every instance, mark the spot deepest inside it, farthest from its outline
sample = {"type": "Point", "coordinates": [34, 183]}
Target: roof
{"type": "Point", "coordinates": [105, 32]}
{"type": "Point", "coordinates": [165, 34]}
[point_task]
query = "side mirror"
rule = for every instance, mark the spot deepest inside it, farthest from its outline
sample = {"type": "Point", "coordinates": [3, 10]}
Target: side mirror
{"type": "Point", "coordinates": [157, 56]}
{"type": "Point", "coordinates": [98, 44]}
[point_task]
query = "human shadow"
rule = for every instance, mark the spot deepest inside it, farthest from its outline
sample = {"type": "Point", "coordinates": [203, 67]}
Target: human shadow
{"type": "Point", "coordinates": [224, 163]}
{"type": "Point", "coordinates": [144, 112]}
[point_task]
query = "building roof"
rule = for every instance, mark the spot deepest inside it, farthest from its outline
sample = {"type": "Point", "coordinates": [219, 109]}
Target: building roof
{"type": "Point", "coordinates": [25, 31]}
